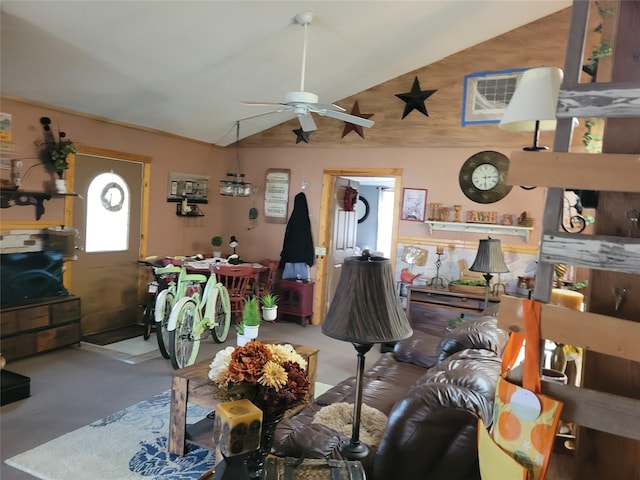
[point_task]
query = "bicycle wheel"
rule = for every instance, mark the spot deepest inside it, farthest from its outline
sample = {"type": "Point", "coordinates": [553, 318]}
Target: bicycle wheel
{"type": "Point", "coordinates": [222, 315]}
{"type": "Point", "coordinates": [183, 344]}
{"type": "Point", "coordinates": [164, 304]}
{"type": "Point", "coordinates": [148, 321]}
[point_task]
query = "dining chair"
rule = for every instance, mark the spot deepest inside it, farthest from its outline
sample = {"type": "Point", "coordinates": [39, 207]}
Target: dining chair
{"type": "Point", "coordinates": [237, 280]}
{"type": "Point", "coordinates": [266, 279]}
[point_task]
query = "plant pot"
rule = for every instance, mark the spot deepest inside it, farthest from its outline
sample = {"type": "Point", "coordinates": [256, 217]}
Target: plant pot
{"type": "Point", "coordinates": [241, 340]}
{"type": "Point", "coordinates": [61, 185]}
{"type": "Point", "coordinates": [251, 332]}
{"type": "Point", "coordinates": [269, 313]}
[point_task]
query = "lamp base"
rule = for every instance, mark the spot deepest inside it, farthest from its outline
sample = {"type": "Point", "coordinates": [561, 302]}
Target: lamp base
{"type": "Point", "coordinates": [354, 451]}
{"type": "Point", "coordinates": [534, 148]}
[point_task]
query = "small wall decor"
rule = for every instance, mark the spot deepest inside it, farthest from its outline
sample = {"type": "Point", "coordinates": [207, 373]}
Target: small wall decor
{"type": "Point", "coordinates": [276, 195]}
{"type": "Point", "coordinates": [414, 204]}
{"type": "Point", "coordinates": [301, 135]}
{"type": "Point", "coordinates": [352, 127]}
{"type": "Point", "coordinates": [362, 209]}
{"type": "Point", "coordinates": [487, 94]}
{"type": "Point", "coordinates": [415, 99]}
{"type": "Point", "coordinates": [195, 188]}
{"type": "Point", "coordinates": [350, 198]}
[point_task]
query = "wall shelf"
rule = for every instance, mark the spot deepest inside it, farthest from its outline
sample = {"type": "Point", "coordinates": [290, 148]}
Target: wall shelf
{"type": "Point", "coordinates": [9, 198]}
{"type": "Point", "coordinates": [479, 228]}
{"type": "Point", "coordinates": [192, 211]}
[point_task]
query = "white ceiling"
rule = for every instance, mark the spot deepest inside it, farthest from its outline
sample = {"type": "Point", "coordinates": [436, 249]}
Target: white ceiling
{"type": "Point", "coordinates": [184, 67]}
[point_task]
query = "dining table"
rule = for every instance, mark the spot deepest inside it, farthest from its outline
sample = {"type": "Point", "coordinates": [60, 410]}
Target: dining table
{"type": "Point", "coordinates": [206, 265]}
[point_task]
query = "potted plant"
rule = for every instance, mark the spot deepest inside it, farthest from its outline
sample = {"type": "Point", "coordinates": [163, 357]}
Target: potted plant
{"type": "Point", "coordinates": [54, 153]}
{"type": "Point", "coordinates": [241, 338]}
{"type": "Point", "coordinates": [269, 306]}
{"type": "Point", "coordinates": [251, 317]}
{"type": "Point", "coordinates": [216, 242]}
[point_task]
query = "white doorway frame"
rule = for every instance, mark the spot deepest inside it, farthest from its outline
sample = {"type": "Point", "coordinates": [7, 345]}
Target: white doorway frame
{"type": "Point", "coordinates": [325, 227]}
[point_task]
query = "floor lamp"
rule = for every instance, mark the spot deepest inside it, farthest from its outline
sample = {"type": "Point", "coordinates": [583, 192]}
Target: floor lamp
{"type": "Point", "coordinates": [489, 260]}
{"type": "Point", "coordinates": [365, 310]}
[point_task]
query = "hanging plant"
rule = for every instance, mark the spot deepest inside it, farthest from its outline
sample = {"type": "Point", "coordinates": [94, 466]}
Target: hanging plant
{"type": "Point", "coordinates": [591, 139]}
{"type": "Point", "coordinates": [54, 153]}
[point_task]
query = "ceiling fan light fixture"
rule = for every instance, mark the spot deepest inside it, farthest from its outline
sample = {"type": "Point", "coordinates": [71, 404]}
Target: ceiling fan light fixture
{"type": "Point", "coordinates": [301, 97]}
{"type": "Point", "coordinates": [304, 103]}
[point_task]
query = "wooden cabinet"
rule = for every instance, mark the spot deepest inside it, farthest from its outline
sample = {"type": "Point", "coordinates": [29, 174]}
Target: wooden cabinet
{"type": "Point", "coordinates": [431, 310]}
{"type": "Point", "coordinates": [38, 327]}
{"type": "Point", "coordinates": [296, 300]}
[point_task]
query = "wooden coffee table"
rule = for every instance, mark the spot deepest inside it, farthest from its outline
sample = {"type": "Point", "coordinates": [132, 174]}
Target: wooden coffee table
{"type": "Point", "coordinates": [192, 385]}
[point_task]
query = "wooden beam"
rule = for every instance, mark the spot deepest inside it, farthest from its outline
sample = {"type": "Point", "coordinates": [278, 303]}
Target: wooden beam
{"type": "Point", "coordinates": [591, 331]}
{"type": "Point", "coordinates": [604, 100]}
{"type": "Point", "coordinates": [601, 411]}
{"type": "Point", "coordinates": [599, 252]}
{"type": "Point", "coordinates": [608, 172]}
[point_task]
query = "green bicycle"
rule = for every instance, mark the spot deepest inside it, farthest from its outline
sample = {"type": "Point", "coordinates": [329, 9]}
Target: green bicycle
{"type": "Point", "coordinates": [187, 284]}
{"type": "Point", "coordinates": [193, 317]}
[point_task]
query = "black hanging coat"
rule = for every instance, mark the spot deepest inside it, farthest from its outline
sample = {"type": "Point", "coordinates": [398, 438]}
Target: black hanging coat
{"type": "Point", "coordinates": [298, 242]}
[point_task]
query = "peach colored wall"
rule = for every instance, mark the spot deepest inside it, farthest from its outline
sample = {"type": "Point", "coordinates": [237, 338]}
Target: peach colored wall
{"type": "Point", "coordinates": [168, 233]}
{"type": "Point", "coordinates": [435, 169]}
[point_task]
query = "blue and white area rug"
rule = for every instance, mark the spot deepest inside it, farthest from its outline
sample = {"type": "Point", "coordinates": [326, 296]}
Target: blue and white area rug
{"type": "Point", "coordinates": [130, 444]}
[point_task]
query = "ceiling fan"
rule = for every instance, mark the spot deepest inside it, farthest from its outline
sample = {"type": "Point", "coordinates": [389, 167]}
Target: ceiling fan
{"type": "Point", "coordinates": [304, 103]}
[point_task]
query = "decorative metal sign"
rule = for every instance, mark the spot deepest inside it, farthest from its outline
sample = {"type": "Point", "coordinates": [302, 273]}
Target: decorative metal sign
{"type": "Point", "coordinates": [276, 195]}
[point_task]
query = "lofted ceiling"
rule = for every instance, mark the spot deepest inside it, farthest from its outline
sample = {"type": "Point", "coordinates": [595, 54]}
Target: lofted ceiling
{"type": "Point", "coordinates": [185, 67]}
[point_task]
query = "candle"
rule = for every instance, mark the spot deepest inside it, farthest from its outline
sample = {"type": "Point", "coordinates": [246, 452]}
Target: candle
{"type": "Point", "coordinates": [237, 426]}
{"type": "Point", "coordinates": [439, 249]}
{"type": "Point", "coordinates": [567, 298]}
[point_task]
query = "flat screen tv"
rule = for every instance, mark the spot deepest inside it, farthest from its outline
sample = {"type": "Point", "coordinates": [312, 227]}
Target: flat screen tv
{"type": "Point", "coordinates": [30, 277]}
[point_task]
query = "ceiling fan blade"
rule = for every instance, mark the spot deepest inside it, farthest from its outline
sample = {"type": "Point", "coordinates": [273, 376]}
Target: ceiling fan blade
{"type": "Point", "coordinates": [270, 112]}
{"type": "Point", "coordinates": [346, 117]}
{"type": "Point", "coordinates": [268, 104]}
{"type": "Point", "coordinates": [326, 106]}
{"type": "Point", "coordinates": [306, 122]}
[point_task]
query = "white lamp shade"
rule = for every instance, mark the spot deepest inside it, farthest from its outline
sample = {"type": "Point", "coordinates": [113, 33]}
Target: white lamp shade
{"type": "Point", "coordinates": [535, 98]}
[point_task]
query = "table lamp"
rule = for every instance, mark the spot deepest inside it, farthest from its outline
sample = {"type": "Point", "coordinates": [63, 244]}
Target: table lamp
{"type": "Point", "coordinates": [233, 259]}
{"type": "Point", "coordinates": [533, 106]}
{"type": "Point", "coordinates": [489, 259]}
{"type": "Point", "coordinates": [365, 310]}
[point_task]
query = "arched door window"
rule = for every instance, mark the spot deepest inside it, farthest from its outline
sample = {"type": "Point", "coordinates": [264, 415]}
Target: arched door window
{"type": "Point", "coordinates": [108, 204]}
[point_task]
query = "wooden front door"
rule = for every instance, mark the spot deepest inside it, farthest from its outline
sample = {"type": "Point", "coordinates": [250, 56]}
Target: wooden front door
{"type": "Point", "coordinates": [107, 278]}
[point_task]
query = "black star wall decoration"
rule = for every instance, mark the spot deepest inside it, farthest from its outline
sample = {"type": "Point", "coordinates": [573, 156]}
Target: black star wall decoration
{"type": "Point", "coordinates": [415, 99]}
{"type": "Point", "coordinates": [350, 127]}
{"type": "Point", "coordinates": [301, 135]}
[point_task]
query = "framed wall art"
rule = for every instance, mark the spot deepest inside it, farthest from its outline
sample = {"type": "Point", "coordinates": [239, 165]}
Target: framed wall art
{"type": "Point", "coordinates": [276, 195]}
{"type": "Point", "coordinates": [194, 187]}
{"type": "Point", "coordinates": [487, 94]}
{"type": "Point", "coordinates": [414, 204]}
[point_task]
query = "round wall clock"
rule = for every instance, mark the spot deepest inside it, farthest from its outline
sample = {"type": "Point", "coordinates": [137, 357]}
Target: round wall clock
{"type": "Point", "coordinates": [483, 177]}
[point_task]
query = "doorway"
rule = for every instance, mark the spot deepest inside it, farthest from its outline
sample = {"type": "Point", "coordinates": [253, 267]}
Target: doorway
{"type": "Point", "coordinates": [105, 274]}
{"type": "Point", "coordinates": [321, 294]}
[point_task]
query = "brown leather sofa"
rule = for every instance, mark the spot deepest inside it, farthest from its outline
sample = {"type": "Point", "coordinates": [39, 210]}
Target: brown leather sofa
{"type": "Point", "coordinates": [432, 389]}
